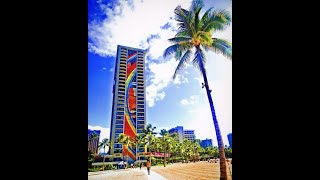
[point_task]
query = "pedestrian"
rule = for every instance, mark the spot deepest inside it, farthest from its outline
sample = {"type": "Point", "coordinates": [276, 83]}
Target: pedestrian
{"type": "Point", "coordinates": [140, 165]}
{"type": "Point", "coordinates": [148, 167]}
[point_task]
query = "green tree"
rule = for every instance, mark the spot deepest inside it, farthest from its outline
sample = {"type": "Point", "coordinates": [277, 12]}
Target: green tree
{"type": "Point", "coordinates": [171, 145]}
{"type": "Point", "coordinates": [149, 135]}
{"type": "Point", "coordinates": [103, 144]}
{"type": "Point", "coordinates": [90, 159]}
{"type": "Point", "coordinates": [93, 136]}
{"type": "Point", "coordinates": [165, 135]}
{"type": "Point", "coordinates": [126, 141]}
{"type": "Point", "coordinates": [196, 33]}
{"type": "Point", "coordinates": [140, 141]}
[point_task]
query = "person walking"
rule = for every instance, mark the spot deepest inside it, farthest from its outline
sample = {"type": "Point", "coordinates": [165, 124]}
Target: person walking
{"type": "Point", "coordinates": [148, 167]}
{"type": "Point", "coordinates": [140, 165]}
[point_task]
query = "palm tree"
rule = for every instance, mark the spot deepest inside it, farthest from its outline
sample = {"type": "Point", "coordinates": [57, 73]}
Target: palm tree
{"type": "Point", "coordinates": [105, 142]}
{"type": "Point", "coordinates": [164, 133]}
{"type": "Point", "coordinates": [91, 139]}
{"type": "Point", "coordinates": [149, 134]}
{"type": "Point", "coordinates": [93, 136]}
{"type": "Point", "coordinates": [140, 140]}
{"type": "Point", "coordinates": [171, 143]}
{"type": "Point", "coordinates": [126, 141]}
{"type": "Point", "coordinates": [196, 33]}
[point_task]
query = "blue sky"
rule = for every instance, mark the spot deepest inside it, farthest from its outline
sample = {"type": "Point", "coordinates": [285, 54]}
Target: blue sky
{"type": "Point", "coordinates": [139, 24]}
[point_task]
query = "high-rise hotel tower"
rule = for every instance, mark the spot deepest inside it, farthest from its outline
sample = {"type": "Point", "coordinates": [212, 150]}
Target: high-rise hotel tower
{"type": "Point", "coordinates": [128, 109]}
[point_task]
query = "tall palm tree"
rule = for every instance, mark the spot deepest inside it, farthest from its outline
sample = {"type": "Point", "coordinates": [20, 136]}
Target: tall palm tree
{"type": "Point", "coordinates": [196, 33]}
{"type": "Point", "coordinates": [149, 134]}
{"type": "Point", "coordinates": [126, 141]}
{"type": "Point", "coordinates": [93, 136]}
{"type": "Point", "coordinates": [140, 141]}
{"type": "Point", "coordinates": [103, 144]}
{"type": "Point", "coordinates": [165, 134]}
{"type": "Point", "coordinates": [171, 143]}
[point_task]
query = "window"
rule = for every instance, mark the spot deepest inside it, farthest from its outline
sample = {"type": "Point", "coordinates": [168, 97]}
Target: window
{"type": "Point", "coordinates": [120, 113]}
{"type": "Point", "coordinates": [120, 105]}
{"type": "Point", "coordinates": [140, 122]}
{"type": "Point", "coordinates": [119, 122]}
{"type": "Point", "coordinates": [119, 131]}
{"type": "Point", "coordinates": [119, 126]}
{"type": "Point", "coordinates": [140, 118]}
{"type": "Point", "coordinates": [140, 110]}
{"type": "Point", "coordinates": [140, 106]}
{"type": "Point", "coordinates": [117, 145]}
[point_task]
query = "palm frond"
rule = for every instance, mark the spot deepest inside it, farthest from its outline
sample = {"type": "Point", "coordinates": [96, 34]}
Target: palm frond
{"type": "Point", "coordinates": [195, 5]}
{"type": "Point", "coordinates": [217, 20]}
{"type": "Point", "coordinates": [184, 60]}
{"type": "Point", "coordinates": [196, 19]}
{"type": "Point", "coordinates": [184, 18]}
{"type": "Point", "coordinates": [179, 39]}
{"type": "Point", "coordinates": [206, 16]}
{"type": "Point", "coordinates": [222, 46]}
{"type": "Point", "coordinates": [170, 50]}
{"type": "Point", "coordinates": [182, 33]}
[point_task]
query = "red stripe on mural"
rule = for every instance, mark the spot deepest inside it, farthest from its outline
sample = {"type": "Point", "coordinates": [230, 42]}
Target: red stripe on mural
{"type": "Point", "coordinates": [127, 129]}
{"type": "Point", "coordinates": [130, 68]}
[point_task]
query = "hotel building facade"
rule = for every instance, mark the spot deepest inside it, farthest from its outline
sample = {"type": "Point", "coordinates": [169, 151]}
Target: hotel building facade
{"type": "Point", "coordinates": [183, 134]}
{"type": "Point", "coordinates": [129, 102]}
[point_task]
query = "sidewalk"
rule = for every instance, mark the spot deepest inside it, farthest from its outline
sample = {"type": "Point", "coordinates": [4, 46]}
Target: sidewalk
{"type": "Point", "coordinates": [123, 174]}
{"type": "Point", "coordinates": [155, 176]}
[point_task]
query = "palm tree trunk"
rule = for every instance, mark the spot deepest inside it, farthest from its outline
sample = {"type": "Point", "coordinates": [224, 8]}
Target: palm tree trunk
{"type": "Point", "coordinates": [127, 165]}
{"type": "Point", "coordinates": [164, 158]}
{"type": "Point", "coordinates": [149, 153]}
{"type": "Point", "coordinates": [223, 163]}
{"type": "Point", "coordinates": [169, 158]}
{"type": "Point", "coordinates": [104, 150]}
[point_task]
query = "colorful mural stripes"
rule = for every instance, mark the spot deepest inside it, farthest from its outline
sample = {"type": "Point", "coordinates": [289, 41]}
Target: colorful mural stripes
{"type": "Point", "coordinates": [130, 106]}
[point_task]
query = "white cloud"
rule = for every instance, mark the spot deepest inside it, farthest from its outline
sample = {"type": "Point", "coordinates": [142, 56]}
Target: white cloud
{"type": "Point", "coordinates": [161, 77]}
{"type": "Point", "coordinates": [105, 133]}
{"type": "Point", "coordinates": [131, 24]}
{"type": "Point", "coordinates": [190, 101]}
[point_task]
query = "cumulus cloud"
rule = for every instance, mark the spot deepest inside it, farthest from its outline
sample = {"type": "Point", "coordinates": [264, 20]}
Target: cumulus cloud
{"type": "Point", "coordinates": [189, 101]}
{"type": "Point", "coordinates": [160, 77]}
{"type": "Point", "coordinates": [131, 23]}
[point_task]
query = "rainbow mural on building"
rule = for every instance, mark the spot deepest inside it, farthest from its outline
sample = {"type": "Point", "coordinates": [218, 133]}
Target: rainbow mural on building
{"type": "Point", "coordinates": [130, 106]}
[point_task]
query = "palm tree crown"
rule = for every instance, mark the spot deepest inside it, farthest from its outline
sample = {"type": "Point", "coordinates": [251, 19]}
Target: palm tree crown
{"type": "Point", "coordinates": [196, 32]}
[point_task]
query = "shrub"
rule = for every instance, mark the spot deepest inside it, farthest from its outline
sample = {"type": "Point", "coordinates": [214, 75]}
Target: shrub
{"type": "Point", "coordinates": [109, 167]}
